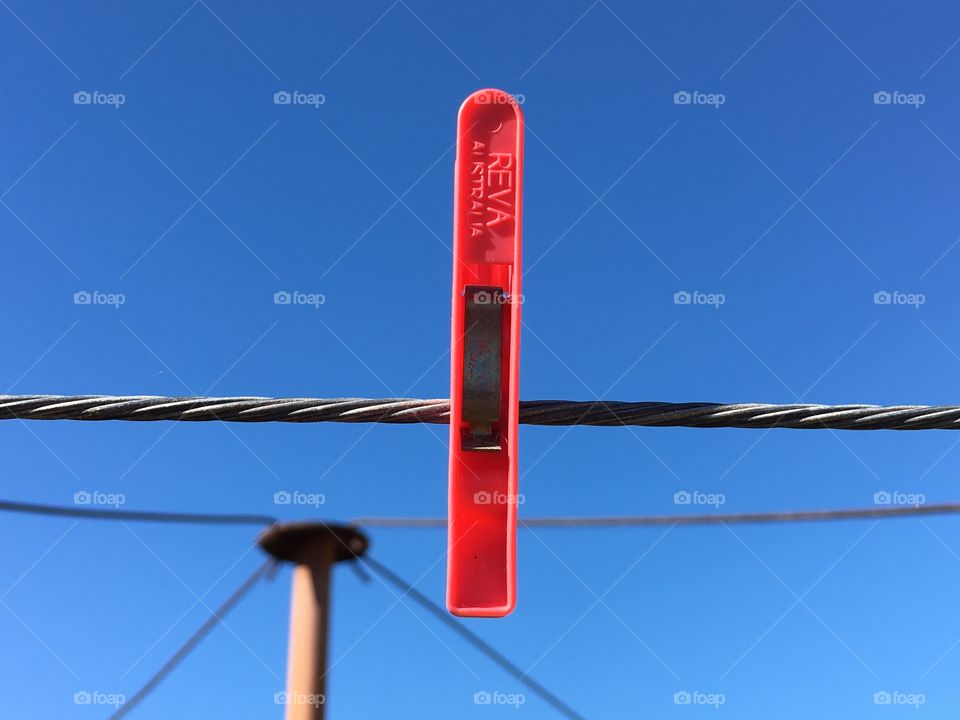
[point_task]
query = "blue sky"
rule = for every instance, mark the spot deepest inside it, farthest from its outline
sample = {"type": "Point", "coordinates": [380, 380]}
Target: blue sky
{"type": "Point", "coordinates": [787, 188]}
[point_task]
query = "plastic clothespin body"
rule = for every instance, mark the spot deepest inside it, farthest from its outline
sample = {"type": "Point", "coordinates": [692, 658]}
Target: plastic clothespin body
{"type": "Point", "coordinates": [485, 357]}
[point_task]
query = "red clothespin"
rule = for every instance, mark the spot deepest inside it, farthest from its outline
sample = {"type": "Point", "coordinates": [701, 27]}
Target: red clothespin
{"type": "Point", "coordinates": [485, 357]}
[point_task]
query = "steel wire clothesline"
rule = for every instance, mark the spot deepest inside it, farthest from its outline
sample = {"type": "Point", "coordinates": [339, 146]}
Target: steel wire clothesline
{"type": "Point", "coordinates": [266, 569]}
{"type": "Point", "coordinates": [407, 411]}
{"type": "Point", "coordinates": [621, 521]}
{"type": "Point", "coordinates": [408, 589]}
{"type": "Point", "coordinates": [532, 412]}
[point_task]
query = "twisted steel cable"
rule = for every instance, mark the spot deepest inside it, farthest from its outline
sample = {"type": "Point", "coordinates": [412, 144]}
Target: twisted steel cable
{"type": "Point", "coordinates": [532, 412]}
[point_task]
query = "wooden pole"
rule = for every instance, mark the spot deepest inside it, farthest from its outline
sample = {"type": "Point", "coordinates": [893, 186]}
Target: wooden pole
{"type": "Point", "coordinates": [313, 548]}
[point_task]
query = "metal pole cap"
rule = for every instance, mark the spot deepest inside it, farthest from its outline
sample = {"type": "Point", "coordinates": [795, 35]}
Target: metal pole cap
{"type": "Point", "coordinates": [293, 541]}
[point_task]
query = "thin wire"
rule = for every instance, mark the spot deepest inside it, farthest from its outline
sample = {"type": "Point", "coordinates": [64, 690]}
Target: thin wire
{"type": "Point", "coordinates": [883, 512]}
{"type": "Point", "coordinates": [535, 412]}
{"type": "Point", "coordinates": [211, 622]}
{"type": "Point", "coordinates": [889, 512]}
{"type": "Point", "coordinates": [135, 515]}
{"type": "Point", "coordinates": [471, 637]}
